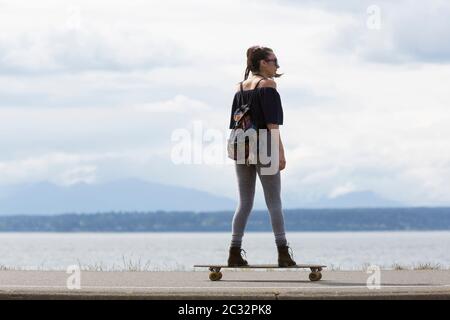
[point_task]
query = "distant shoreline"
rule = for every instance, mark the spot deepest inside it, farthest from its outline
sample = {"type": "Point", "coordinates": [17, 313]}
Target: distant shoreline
{"type": "Point", "coordinates": [302, 220]}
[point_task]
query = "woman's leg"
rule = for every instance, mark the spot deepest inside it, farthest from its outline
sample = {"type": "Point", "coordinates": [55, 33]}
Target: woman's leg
{"type": "Point", "coordinates": [246, 178]}
{"type": "Point", "coordinates": [272, 194]}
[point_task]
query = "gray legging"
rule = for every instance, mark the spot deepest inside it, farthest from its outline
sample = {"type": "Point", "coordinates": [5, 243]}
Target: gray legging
{"type": "Point", "coordinates": [246, 177]}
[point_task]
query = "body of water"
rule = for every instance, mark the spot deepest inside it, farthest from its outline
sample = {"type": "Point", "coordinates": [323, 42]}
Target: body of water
{"type": "Point", "coordinates": [180, 251]}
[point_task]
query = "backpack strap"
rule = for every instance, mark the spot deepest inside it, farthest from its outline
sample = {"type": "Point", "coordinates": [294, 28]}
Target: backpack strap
{"type": "Point", "coordinates": [257, 84]}
{"type": "Point", "coordinates": [242, 94]}
{"type": "Point", "coordinates": [251, 97]}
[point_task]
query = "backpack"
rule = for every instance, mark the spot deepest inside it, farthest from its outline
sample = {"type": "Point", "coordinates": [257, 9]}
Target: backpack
{"type": "Point", "coordinates": [242, 123]}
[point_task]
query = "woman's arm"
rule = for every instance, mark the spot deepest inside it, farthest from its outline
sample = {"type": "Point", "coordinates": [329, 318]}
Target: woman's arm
{"type": "Point", "coordinates": [281, 147]}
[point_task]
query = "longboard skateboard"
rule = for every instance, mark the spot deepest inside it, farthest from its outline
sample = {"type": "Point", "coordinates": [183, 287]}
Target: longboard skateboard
{"type": "Point", "coordinates": [216, 275]}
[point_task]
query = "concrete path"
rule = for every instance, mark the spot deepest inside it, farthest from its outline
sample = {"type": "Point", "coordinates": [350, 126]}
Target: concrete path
{"type": "Point", "coordinates": [235, 284]}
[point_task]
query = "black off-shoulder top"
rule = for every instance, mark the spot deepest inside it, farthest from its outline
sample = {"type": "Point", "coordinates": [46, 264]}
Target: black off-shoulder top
{"type": "Point", "coordinates": [265, 108]}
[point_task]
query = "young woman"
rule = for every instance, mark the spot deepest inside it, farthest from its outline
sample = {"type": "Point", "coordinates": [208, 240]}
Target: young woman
{"type": "Point", "coordinates": [267, 112]}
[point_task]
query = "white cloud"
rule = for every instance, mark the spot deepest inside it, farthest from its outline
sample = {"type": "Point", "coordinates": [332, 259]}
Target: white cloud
{"type": "Point", "coordinates": [67, 168]}
{"type": "Point", "coordinates": [124, 76]}
{"type": "Point", "coordinates": [179, 104]}
{"type": "Point", "coordinates": [342, 189]}
{"type": "Point", "coordinates": [410, 32]}
{"type": "Point", "coordinates": [85, 50]}
{"type": "Point", "coordinates": [85, 174]}
{"type": "Point", "coordinates": [99, 128]}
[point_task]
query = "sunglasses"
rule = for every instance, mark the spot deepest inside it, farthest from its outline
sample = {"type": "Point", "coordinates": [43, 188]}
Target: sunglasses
{"type": "Point", "coordinates": [274, 60]}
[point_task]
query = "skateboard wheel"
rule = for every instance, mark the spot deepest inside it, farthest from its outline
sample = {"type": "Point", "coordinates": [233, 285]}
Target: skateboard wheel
{"type": "Point", "coordinates": [215, 276]}
{"type": "Point", "coordinates": [315, 276]}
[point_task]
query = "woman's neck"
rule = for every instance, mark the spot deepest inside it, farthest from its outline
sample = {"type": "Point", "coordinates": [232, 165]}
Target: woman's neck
{"type": "Point", "coordinates": [260, 74]}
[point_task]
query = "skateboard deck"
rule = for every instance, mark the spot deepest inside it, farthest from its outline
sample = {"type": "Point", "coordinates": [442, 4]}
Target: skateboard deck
{"type": "Point", "coordinates": [216, 275]}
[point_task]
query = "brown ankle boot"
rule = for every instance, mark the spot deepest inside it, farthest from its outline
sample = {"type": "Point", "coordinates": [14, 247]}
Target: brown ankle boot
{"type": "Point", "coordinates": [235, 259]}
{"type": "Point", "coordinates": [284, 258]}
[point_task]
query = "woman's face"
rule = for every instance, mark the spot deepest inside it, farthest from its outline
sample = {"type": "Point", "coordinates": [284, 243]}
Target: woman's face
{"type": "Point", "coordinates": [270, 65]}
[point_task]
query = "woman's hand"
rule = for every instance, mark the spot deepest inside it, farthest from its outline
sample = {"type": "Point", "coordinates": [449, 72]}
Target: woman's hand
{"type": "Point", "coordinates": [282, 158]}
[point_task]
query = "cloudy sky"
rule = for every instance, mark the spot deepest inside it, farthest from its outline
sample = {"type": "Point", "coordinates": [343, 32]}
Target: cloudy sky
{"type": "Point", "coordinates": [95, 91]}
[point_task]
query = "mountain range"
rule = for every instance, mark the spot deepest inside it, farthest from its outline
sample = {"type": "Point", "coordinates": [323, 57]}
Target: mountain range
{"type": "Point", "coordinates": [132, 194]}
